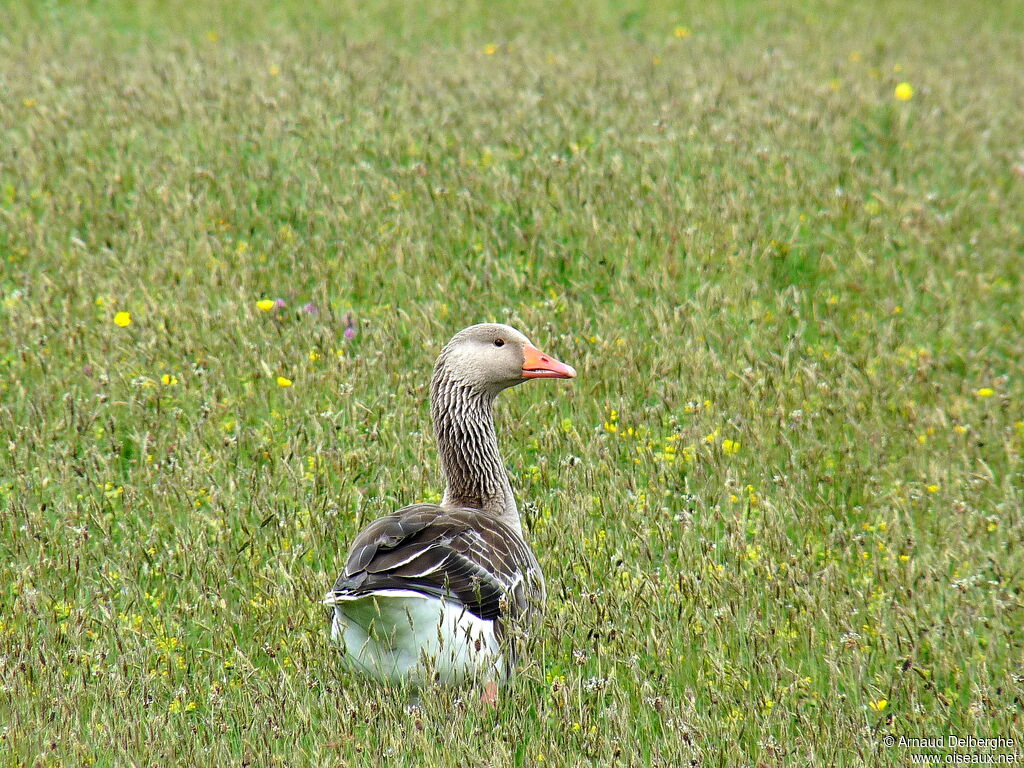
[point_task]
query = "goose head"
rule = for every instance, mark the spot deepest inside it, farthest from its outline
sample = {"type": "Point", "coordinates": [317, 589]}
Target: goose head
{"type": "Point", "coordinates": [490, 357]}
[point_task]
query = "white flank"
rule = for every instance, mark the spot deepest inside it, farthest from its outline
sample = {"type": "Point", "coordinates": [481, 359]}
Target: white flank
{"type": "Point", "coordinates": [406, 636]}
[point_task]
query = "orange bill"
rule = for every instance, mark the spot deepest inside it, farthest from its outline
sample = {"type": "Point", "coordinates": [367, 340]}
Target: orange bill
{"type": "Point", "coordinates": [537, 365]}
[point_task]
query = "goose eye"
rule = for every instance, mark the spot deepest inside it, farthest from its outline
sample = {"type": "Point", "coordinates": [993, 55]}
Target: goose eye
{"type": "Point", "coordinates": [499, 342]}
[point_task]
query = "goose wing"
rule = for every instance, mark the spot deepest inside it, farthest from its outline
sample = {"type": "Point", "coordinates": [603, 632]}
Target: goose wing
{"type": "Point", "coordinates": [457, 553]}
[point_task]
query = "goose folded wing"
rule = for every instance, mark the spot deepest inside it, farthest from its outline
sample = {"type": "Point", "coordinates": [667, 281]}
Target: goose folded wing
{"type": "Point", "coordinates": [442, 553]}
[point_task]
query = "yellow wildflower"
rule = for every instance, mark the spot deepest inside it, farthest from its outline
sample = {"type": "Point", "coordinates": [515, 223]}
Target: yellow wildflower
{"type": "Point", "coordinates": [933, 488]}
{"type": "Point", "coordinates": [283, 382]}
{"type": "Point", "coordinates": [730, 447]}
{"type": "Point", "coordinates": [265, 304]}
{"type": "Point", "coordinates": [986, 392]}
{"type": "Point", "coordinates": [682, 32]}
{"type": "Point", "coordinates": [123, 319]}
{"type": "Point", "coordinates": [168, 381]}
{"type": "Point", "coordinates": [490, 49]}
{"type": "Point", "coordinates": [879, 705]}
{"type": "Point", "coordinates": [904, 92]}
{"type": "Point", "coordinates": [611, 425]}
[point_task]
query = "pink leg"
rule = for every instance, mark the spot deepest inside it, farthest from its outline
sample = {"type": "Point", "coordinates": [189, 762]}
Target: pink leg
{"type": "Point", "coordinates": [489, 697]}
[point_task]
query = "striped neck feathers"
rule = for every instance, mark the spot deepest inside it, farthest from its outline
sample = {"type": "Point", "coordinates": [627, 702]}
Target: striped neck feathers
{"type": "Point", "coordinates": [475, 475]}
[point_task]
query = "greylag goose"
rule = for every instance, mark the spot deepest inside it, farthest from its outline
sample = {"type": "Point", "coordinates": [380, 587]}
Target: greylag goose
{"type": "Point", "coordinates": [432, 592]}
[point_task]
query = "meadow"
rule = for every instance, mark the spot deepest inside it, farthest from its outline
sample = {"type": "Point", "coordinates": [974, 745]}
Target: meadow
{"type": "Point", "coordinates": [779, 510]}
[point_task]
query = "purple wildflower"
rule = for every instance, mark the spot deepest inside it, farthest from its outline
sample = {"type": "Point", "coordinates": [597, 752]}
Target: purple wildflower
{"type": "Point", "coordinates": [350, 332]}
{"type": "Point", "coordinates": [310, 308]}
{"type": "Point", "coordinates": [279, 303]}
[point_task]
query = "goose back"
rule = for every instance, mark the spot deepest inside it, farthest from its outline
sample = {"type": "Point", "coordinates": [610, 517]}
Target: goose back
{"type": "Point", "coordinates": [456, 553]}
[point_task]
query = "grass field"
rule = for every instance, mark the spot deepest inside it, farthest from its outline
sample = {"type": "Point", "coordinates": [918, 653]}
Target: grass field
{"type": "Point", "coordinates": [779, 510]}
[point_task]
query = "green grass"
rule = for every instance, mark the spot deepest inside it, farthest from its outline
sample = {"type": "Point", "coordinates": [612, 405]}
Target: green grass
{"type": "Point", "coordinates": [738, 235]}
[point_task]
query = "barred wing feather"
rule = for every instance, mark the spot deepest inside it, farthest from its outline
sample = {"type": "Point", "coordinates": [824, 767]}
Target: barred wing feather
{"type": "Point", "coordinates": [456, 553]}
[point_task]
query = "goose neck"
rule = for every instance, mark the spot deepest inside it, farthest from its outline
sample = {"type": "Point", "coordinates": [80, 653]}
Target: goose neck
{"type": "Point", "coordinates": [474, 473]}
